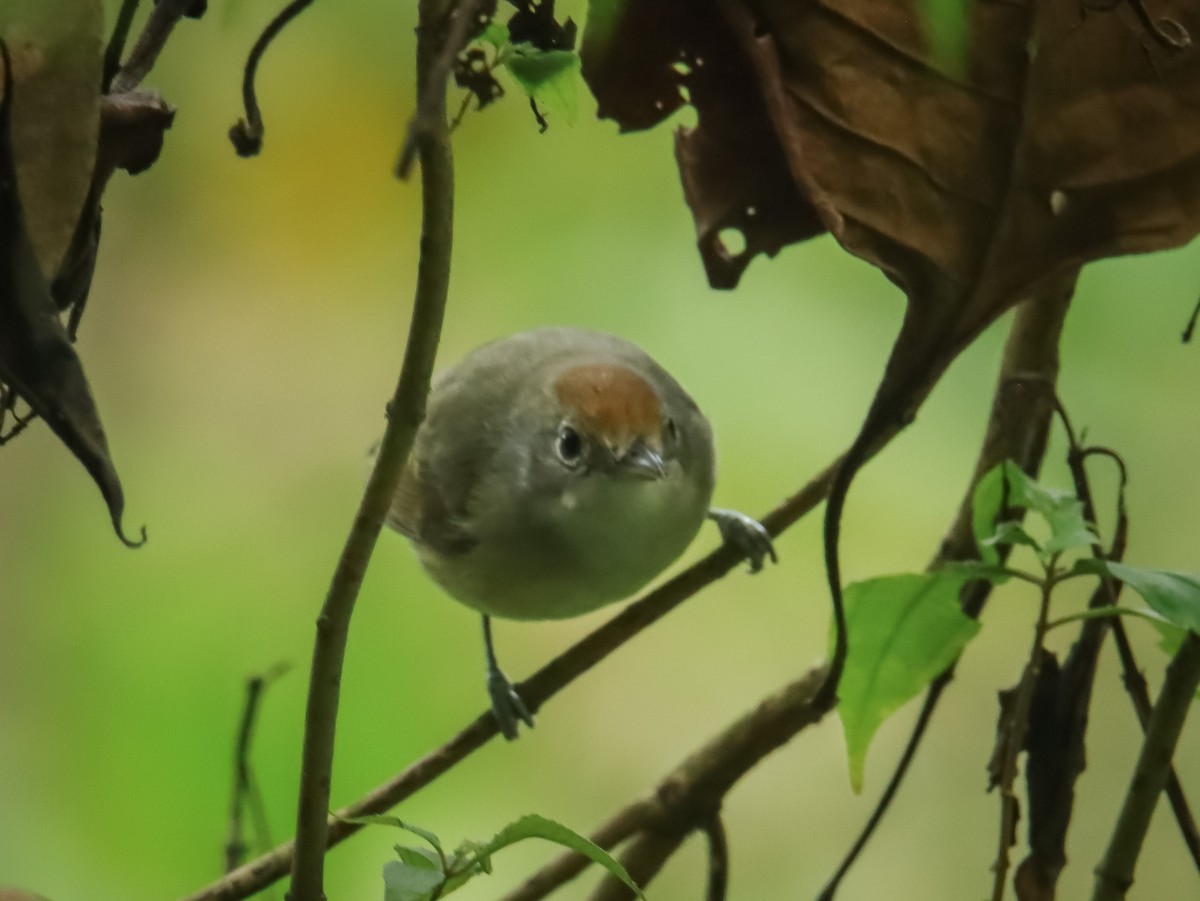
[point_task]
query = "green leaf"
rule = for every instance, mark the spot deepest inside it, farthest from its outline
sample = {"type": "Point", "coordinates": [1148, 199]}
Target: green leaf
{"type": "Point", "coordinates": [1175, 595]}
{"type": "Point", "coordinates": [421, 858]}
{"type": "Point", "coordinates": [404, 882]}
{"type": "Point", "coordinates": [534, 826]}
{"type": "Point", "coordinates": [904, 630]}
{"type": "Point", "coordinates": [550, 77]}
{"type": "Point", "coordinates": [1060, 509]}
{"type": "Point", "coordinates": [385, 820]}
{"type": "Point", "coordinates": [1011, 532]}
{"type": "Point", "coordinates": [495, 34]}
{"type": "Point", "coordinates": [986, 504]}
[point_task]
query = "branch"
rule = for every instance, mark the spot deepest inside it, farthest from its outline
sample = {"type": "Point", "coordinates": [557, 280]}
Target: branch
{"type": "Point", "coordinates": [1114, 875]}
{"type": "Point", "coordinates": [1017, 428]}
{"type": "Point", "coordinates": [690, 796]}
{"type": "Point", "coordinates": [405, 413]}
{"type": "Point", "coordinates": [158, 28]}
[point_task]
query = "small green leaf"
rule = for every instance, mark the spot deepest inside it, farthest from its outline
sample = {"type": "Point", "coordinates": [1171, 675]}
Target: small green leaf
{"type": "Point", "coordinates": [985, 507]}
{"type": "Point", "coordinates": [904, 631]}
{"type": "Point", "coordinates": [1175, 595]}
{"type": "Point", "coordinates": [550, 77]}
{"type": "Point", "coordinates": [385, 820]}
{"type": "Point", "coordinates": [1011, 532]}
{"type": "Point", "coordinates": [1060, 509]}
{"type": "Point", "coordinates": [974, 569]}
{"type": "Point", "coordinates": [495, 34]}
{"type": "Point", "coordinates": [534, 826]}
{"type": "Point", "coordinates": [404, 882]}
{"type": "Point", "coordinates": [421, 858]}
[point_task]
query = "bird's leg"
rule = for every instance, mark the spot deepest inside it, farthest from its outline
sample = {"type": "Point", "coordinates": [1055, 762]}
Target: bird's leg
{"type": "Point", "coordinates": [747, 535]}
{"type": "Point", "coordinates": [506, 703]}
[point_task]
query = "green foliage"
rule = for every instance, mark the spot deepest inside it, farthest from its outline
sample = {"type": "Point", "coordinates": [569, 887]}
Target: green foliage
{"type": "Point", "coordinates": [1173, 595]}
{"type": "Point", "coordinates": [549, 77]}
{"type": "Point", "coordinates": [424, 875]}
{"type": "Point", "coordinates": [1007, 485]}
{"type": "Point", "coordinates": [905, 630]}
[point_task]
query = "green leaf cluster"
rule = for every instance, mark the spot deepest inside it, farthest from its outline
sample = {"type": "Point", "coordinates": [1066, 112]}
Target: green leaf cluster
{"type": "Point", "coordinates": [427, 874]}
{"type": "Point", "coordinates": [907, 629]}
{"type": "Point", "coordinates": [550, 78]}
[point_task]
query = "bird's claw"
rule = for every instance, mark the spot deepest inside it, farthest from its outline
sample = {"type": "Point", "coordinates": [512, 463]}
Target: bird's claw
{"type": "Point", "coordinates": [507, 705]}
{"type": "Point", "coordinates": [746, 534]}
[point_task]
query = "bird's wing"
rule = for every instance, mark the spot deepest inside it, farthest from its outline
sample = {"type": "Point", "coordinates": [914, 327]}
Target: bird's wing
{"type": "Point", "coordinates": [422, 513]}
{"type": "Point", "coordinates": [404, 515]}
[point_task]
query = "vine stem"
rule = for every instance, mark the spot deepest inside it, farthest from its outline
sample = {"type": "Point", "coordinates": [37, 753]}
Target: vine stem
{"type": "Point", "coordinates": [1014, 736]}
{"type": "Point", "coordinates": [405, 413]}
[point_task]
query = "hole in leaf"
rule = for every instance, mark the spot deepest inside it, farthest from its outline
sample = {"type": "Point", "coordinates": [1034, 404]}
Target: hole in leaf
{"type": "Point", "coordinates": [732, 241]}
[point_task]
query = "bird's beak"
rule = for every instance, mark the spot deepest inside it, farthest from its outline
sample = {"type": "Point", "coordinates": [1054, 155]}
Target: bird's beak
{"type": "Point", "coordinates": [643, 462]}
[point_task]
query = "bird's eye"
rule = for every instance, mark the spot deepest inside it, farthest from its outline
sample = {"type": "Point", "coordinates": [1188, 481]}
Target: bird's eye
{"type": "Point", "coordinates": [671, 430]}
{"type": "Point", "coordinates": [569, 445]}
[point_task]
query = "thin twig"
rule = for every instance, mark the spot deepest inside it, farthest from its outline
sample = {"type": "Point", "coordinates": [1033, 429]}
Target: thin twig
{"type": "Point", "coordinates": [1014, 723]}
{"type": "Point", "coordinates": [718, 859]}
{"type": "Point", "coordinates": [243, 780]}
{"type": "Point", "coordinates": [1114, 874]}
{"type": "Point", "coordinates": [159, 25]}
{"type": "Point", "coordinates": [1017, 430]}
{"type": "Point", "coordinates": [116, 43]}
{"type": "Point", "coordinates": [247, 134]}
{"type": "Point", "coordinates": [405, 413]}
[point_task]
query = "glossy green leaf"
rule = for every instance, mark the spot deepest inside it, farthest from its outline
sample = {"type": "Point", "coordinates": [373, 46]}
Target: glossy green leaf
{"type": "Point", "coordinates": [1011, 532]}
{"type": "Point", "coordinates": [904, 630]}
{"type": "Point", "coordinates": [550, 77]}
{"type": "Point", "coordinates": [404, 882]}
{"type": "Point", "coordinates": [421, 858]}
{"type": "Point", "coordinates": [1175, 595]}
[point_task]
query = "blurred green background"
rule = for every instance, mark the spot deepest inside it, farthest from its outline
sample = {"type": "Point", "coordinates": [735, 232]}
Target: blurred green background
{"type": "Point", "coordinates": [243, 335]}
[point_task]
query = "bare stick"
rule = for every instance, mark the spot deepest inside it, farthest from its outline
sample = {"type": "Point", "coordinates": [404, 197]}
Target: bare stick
{"type": "Point", "coordinates": [405, 413]}
{"type": "Point", "coordinates": [158, 28]}
{"type": "Point", "coordinates": [1114, 875]}
{"type": "Point", "coordinates": [718, 859]}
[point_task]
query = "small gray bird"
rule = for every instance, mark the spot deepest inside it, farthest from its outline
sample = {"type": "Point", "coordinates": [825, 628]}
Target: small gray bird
{"type": "Point", "coordinates": [556, 471]}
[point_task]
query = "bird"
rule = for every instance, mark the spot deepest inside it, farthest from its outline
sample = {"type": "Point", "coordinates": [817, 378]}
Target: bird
{"type": "Point", "coordinates": [556, 471]}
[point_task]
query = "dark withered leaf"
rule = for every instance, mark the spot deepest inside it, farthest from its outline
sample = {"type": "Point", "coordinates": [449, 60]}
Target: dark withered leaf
{"type": "Point", "coordinates": [636, 59]}
{"type": "Point", "coordinates": [534, 23]}
{"type": "Point", "coordinates": [36, 358]}
{"type": "Point", "coordinates": [472, 73]}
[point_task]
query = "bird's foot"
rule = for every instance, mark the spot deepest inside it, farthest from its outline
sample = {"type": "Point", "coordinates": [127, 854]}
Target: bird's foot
{"type": "Point", "coordinates": [746, 534]}
{"type": "Point", "coordinates": [507, 705]}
